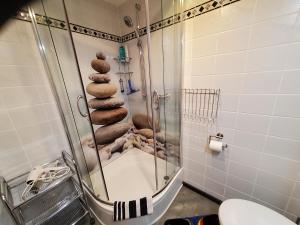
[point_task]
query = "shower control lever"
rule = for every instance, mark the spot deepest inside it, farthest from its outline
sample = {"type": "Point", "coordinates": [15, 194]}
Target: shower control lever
{"type": "Point", "coordinates": [79, 97]}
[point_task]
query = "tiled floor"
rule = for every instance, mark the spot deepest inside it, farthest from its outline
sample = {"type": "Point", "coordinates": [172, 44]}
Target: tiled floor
{"type": "Point", "coordinates": [189, 203]}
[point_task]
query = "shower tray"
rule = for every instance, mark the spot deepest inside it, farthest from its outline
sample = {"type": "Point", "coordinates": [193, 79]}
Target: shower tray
{"type": "Point", "coordinates": [59, 203]}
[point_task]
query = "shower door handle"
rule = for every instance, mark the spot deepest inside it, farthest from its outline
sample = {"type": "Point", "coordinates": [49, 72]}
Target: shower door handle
{"type": "Point", "coordinates": [79, 97]}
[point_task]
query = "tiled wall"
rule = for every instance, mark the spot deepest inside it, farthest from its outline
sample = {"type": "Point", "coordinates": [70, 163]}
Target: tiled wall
{"type": "Point", "coordinates": [250, 50]}
{"type": "Point", "coordinates": [30, 129]}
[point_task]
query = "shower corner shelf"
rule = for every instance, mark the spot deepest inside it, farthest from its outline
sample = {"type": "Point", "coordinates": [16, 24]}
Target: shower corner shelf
{"type": "Point", "coordinates": [123, 61]}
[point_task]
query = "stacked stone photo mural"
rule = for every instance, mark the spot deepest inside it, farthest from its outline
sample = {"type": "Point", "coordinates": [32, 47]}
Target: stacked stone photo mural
{"type": "Point", "coordinates": [108, 110]}
{"type": "Point", "coordinates": [114, 137]}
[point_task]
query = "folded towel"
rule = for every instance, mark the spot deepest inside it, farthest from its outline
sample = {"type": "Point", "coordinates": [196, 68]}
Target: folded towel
{"type": "Point", "coordinates": [132, 209]}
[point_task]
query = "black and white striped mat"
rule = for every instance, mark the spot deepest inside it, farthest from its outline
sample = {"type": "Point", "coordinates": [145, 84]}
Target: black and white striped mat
{"type": "Point", "coordinates": [132, 209]}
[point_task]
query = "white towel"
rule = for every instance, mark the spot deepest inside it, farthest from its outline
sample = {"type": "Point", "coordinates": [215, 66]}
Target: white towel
{"type": "Point", "coordinates": [132, 209]}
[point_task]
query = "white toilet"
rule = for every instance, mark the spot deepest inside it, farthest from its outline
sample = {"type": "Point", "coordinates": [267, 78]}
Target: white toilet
{"type": "Point", "coordinates": [243, 212]}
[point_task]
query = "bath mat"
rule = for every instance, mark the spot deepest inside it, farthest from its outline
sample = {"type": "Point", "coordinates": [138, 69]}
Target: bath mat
{"type": "Point", "coordinates": [195, 220]}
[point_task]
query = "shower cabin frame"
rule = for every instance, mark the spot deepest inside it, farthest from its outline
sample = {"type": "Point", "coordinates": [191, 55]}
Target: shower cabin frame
{"type": "Point", "coordinates": [61, 111]}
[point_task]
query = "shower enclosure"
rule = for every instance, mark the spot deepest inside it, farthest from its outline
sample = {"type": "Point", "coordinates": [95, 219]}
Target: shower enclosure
{"type": "Point", "coordinates": [147, 83]}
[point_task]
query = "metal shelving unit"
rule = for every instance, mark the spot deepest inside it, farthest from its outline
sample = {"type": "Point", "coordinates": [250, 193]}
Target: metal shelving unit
{"type": "Point", "coordinates": [59, 203]}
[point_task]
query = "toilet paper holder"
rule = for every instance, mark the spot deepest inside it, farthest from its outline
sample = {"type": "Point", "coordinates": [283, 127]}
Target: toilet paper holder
{"type": "Point", "coordinates": [218, 137]}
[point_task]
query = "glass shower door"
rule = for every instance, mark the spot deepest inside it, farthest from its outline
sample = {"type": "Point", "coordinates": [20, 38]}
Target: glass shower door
{"type": "Point", "coordinates": [166, 63]}
{"type": "Point", "coordinates": [60, 62]}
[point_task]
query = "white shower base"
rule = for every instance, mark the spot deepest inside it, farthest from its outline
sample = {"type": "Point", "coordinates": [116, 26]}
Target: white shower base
{"type": "Point", "coordinates": [131, 176]}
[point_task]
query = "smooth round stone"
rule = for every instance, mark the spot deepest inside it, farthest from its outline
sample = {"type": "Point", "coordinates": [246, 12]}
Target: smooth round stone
{"type": "Point", "coordinates": [104, 117]}
{"type": "Point", "coordinates": [101, 90]}
{"type": "Point", "coordinates": [107, 134]}
{"type": "Point", "coordinates": [100, 65]}
{"type": "Point", "coordinates": [141, 121]}
{"type": "Point", "coordinates": [99, 78]}
{"type": "Point", "coordinates": [107, 103]}
{"type": "Point", "coordinates": [100, 55]}
{"type": "Point", "coordinates": [148, 133]}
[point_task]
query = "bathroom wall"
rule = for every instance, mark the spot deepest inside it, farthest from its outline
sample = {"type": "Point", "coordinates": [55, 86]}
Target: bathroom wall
{"type": "Point", "coordinates": [249, 49]}
{"type": "Point", "coordinates": [30, 129]}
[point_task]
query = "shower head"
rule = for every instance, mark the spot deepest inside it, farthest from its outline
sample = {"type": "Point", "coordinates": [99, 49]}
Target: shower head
{"type": "Point", "coordinates": [128, 21]}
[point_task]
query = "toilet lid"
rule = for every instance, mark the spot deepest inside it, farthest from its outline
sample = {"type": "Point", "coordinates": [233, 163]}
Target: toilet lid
{"type": "Point", "coordinates": [238, 211]}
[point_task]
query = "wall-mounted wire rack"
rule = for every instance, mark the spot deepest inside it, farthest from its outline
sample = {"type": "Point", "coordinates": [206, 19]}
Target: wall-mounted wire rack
{"type": "Point", "coordinates": [200, 104]}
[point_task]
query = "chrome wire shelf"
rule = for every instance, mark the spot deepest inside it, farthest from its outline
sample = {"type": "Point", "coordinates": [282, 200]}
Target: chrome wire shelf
{"type": "Point", "coordinates": [59, 203]}
{"type": "Point", "coordinates": [200, 104]}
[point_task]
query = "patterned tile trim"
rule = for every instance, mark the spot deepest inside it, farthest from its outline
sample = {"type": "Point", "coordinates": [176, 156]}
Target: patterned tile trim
{"type": "Point", "coordinates": [43, 20]}
{"type": "Point", "coordinates": [95, 33]}
{"type": "Point", "coordinates": [187, 14]}
{"type": "Point", "coordinates": [205, 8]}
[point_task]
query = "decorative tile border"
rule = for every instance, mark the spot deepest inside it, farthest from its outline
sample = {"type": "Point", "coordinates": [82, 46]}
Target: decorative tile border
{"type": "Point", "coordinates": [95, 33]}
{"type": "Point", "coordinates": [187, 14]}
{"type": "Point", "coordinates": [43, 20]}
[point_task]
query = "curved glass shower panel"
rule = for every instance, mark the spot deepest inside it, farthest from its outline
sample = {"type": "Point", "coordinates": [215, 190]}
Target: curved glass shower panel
{"type": "Point", "coordinates": [56, 45]}
{"type": "Point", "coordinates": [166, 75]}
{"type": "Point", "coordinates": [139, 74]}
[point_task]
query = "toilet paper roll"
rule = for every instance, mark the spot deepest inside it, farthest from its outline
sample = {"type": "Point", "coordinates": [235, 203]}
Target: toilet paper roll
{"type": "Point", "coordinates": [216, 146]}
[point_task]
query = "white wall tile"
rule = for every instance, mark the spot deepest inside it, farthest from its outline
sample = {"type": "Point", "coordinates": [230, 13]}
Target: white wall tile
{"type": "Point", "coordinates": [219, 161]}
{"type": "Point", "coordinates": [251, 141]}
{"type": "Point", "coordinates": [233, 40]}
{"type": "Point", "coordinates": [215, 174]}
{"type": "Point", "coordinates": [9, 140]}
{"type": "Point", "coordinates": [253, 123]}
{"type": "Point", "coordinates": [269, 8]}
{"type": "Point", "coordinates": [261, 83]}
{"type": "Point", "coordinates": [204, 46]}
{"type": "Point", "coordinates": [13, 162]}
{"type": "Point", "coordinates": [231, 63]}
{"type": "Point", "coordinates": [229, 102]}
{"type": "Point", "coordinates": [271, 197]}
{"type": "Point", "coordinates": [5, 121]}
{"type": "Point", "coordinates": [20, 96]}
{"type": "Point", "coordinates": [241, 185]}
{"type": "Point", "coordinates": [244, 156]}
{"type": "Point", "coordinates": [296, 192]}
{"type": "Point", "coordinates": [207, 24]}
{"type": "Point", "coordinates": [288, 106]}
{"type": "Point", "coordinates": [267, 59]}
{"type": "Point", "coordinates": [242, 171]}
{"type": "Point", "coordinates": [285, 148]}
{"type": "Point", "coordinates": [257, 104]}
{"type": "Point", "coordinates": [255, 66]}
{"type": "Point", "coordinates": [237, 15]}
{"type": "Point", "coordinates": [274, 183]}
{"type": "Point", "coordinates": [193, 178]}
{"type": "Point", "coordinates": [290, 81]}
{"type": "Point", "coordinates": [214, 186]}
{"type": "Point", "coordinates": [232, 193]}
{"type": "Point", "coordinates": [202, 82]}
{"type": "Point", "coordinates": [279, 166]}
{"type": "Point", "coordinates": [272, 32]}
{"type": "Point", "coordinates": [294, 206]}
{"type": "Point", "coordinates": [227, 119]}
{"type": "Point", "coordinates": [293, 55]}
{"type": "Point", "coordinates": [285, 127]}
{"type": "Point", "coordinates": [28, 116]}
{"type": "Point", "coordinates": [196, 167]}
{"type": "Point", "coordinates": [203, 66]}
{"type": "Point", "coordinates": [229, 84]}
